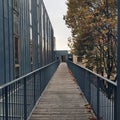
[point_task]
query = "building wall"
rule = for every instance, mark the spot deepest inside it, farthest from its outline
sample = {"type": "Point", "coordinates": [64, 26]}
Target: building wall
{"type": "Point", "coordinates": [61, 54]}
{"type": "Point", "coordinates": [6, 41]}
{"type": "Point", "coordinates": [26, 38]}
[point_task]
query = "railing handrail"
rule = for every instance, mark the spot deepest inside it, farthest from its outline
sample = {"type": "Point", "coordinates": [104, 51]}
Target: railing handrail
{"type": "Point", "coordinates": [24, 92]}
{"type": "Point", "coordinates": [100, 92]}
{"type": "Point", "coordinates": [114, 83]}
{"type": "Point", "coordinates": [24, 76]}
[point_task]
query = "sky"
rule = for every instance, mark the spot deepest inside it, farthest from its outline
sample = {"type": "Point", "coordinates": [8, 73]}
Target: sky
{"type": "Point", "coordinates": [56, 10]}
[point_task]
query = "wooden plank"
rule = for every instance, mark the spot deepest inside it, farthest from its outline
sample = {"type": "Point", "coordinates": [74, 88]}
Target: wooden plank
{"type": "Point", "coordinates": [62, 99]}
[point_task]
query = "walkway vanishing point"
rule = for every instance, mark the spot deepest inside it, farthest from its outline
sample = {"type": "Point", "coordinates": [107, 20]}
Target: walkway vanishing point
{"type": "Point", "coordinates": [62, 99]}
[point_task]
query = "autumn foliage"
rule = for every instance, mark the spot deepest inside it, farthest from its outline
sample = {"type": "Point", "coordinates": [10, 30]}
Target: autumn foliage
{"type": "Point", "coordinates": [94, 34]}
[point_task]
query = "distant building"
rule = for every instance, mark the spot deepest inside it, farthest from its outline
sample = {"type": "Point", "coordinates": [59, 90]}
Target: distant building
{"type": "Point", "coordinates": [54, 43]}
{"type": "Point", "coordinates": [26, 38]}
{"type": "Point", "coordinates": [76, 59]}
{"type": "Point", "coordinates": [63, 55]}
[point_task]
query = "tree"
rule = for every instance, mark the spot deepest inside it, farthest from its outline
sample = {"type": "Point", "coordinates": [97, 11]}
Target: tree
{"type": "Point", "coordinates": [94, 33]}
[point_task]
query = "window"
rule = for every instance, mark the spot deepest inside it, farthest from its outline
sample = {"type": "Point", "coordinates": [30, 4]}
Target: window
{"type": "Point", "coordinates": [16, 56]}
{"type": "Point", "coordinates": [30, 33]}
{"type": "Point", "coordinates": [30, 5]}
{"type": "Point", "coordinates": [16, 50]}
{"type": "Point", "coordinates": [16, 40]}
{"type": "Point", "coordinates": [15, 5]}
{"type": "Point", "coordinates": [15, 23]}
{"type": "Point", "coordinates": [30, 19]}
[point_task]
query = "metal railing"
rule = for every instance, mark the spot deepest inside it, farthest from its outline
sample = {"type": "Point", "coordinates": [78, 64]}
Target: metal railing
{"type": "Point", "coordinates": [99, 91]}
{"type": "Point", "coordinates": [18, 98]}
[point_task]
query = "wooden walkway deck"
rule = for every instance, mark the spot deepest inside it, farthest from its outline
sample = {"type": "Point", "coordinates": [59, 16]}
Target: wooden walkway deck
{"type": "Point", "coordinates": [62, 99]}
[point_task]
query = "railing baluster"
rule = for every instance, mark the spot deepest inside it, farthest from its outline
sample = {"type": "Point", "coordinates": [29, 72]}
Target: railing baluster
{"type": "Point", "coordinates": [115, 103]}
{"type": "Point", "coordinates": [40, 83]}
{"type": "Point", "coordinates": [89, 82]}
{"type": "Point", "coordinates": [98, 99]}
{"type": "Point", "coordinates": [25, 100]}
{"type": "Point", "coordinates": [34, 84]}
{"type": "Point", "coordinates": [6, 103]}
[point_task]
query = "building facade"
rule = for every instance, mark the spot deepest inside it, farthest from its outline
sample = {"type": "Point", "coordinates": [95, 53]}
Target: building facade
{"type": "Point", "coordinates": [63, 55]}
{"type": "Point", "coordinates": [26, 38]}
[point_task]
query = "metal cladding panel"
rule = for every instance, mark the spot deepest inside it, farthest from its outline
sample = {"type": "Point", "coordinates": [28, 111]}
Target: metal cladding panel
{"type": "Point", "coordinates": [40, 28]}
{"type": "Point", "coordinates": [22, 55]}
{"type": "Point", "coordinates": [52, 44]}
{"type": "Point", "coordinates": [24, 40]}
{"type": "Point", "coordinates": [26, 37]}
{"type": "Point", "coordinates": [34, 34]}
{"type": "Point", "coordinates": [44, 60]}
{"type": "Point", "coordinates": [28, 60]}
{"type": "Point", "coordinates": [42, 23]}
{"type": "Point", "coordinates": [5, 8]}
{"type": "Point", "coordinates": [21, 38]}
{"type": "Point", "coordinates": [1, 9]}
{"type": "Point", "coordinates": [11, 42]}
{"type": "Point", "coordinates": [2, 62]}
{"type": "Point", "coordinates": [48, 43]}
{"type": "Point", "coordinates": [24, 30]}
{"type": "Point", "coordinates": [6, 42]}
{"type": "Point", "coordinates": [46, 39]}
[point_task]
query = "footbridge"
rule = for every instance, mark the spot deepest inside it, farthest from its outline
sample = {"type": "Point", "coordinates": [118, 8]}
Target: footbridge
{"type": "Point", "coordinates": [59, 91]}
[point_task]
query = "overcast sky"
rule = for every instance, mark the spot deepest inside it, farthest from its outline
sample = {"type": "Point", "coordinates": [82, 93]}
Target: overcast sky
{"type": "Point", "coordinates": [56, 9]}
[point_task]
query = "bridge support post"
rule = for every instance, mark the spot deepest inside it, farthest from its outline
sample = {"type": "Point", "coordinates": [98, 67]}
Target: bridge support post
{"type": "Point", "coordinates": [117, 102]}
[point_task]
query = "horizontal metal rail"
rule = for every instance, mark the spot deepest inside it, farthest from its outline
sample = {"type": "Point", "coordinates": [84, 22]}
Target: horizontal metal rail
{"type": "Point", "coordinates": [18, 98]}
{"type": "Point", "coordinates": [99, 91]}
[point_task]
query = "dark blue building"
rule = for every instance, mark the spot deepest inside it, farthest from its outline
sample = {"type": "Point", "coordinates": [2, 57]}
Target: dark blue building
{"type": "Point", "coordinates": [26, 38]}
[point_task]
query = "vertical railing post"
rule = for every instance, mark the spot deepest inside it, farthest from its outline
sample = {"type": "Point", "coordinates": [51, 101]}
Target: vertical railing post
{"type": "Point", "coordinates": [89, 87]}
{"type": "Point", "coordinates": [34, 88]}
{"type": "Point", "coordinates": [115, 103]}
{"type": "Point", "coordinates": [42, 81]}
{"type": "Point", "coordinates": [6, 103]}
{"type": "Point", "coordinates": [98, 99]}
{"type": "Point", "coordinates": [40, 84]}
{"type": "Point", "coordinates": [25, 100]}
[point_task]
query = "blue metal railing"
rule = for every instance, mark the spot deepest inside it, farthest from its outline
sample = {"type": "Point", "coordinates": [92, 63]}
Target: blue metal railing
{"type": "Point", "coordinates": [99, 91]}
{"type": "Point", "coordinates": [18, 98]}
